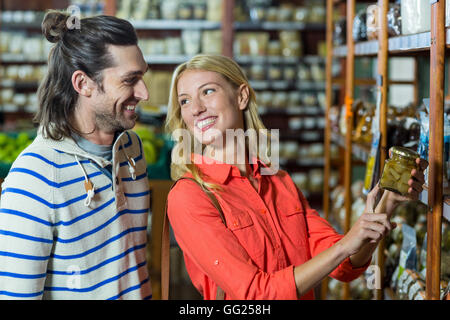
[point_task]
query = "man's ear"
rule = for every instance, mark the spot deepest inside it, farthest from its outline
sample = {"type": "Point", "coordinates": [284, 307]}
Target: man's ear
{"type": "Point", "coordinates": [243, 96]}
{"type": "Point", "coordinates": [81, 83]}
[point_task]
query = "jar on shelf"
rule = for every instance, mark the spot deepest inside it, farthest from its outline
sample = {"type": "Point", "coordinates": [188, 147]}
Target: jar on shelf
{"type": "Point", "coordinates": [266, 98]}
{"type": "Point", "coordinates": [397, 169]}
{"type": "Point", "coordinates": [257, 72]}
{"type": "Point", "coordinates": [272, 14]}
{"type": "Point", "coordinates": [289, 73]}
{"type": "Point", "coordinates": [295, 123]}
{"type": "Point", "coordinates": [294, 99]}
{"type": "Point", "coordinates": [185, 11]}
{"type": "Point", "coordinates": [169, 9]}
{"type": "Point", "coordinates": [199, 11]}
{"type": "Point", "coordinates": [285, 13]}
{"type": "Point", "coordinates": [191, 41]}
{"type": "Point", "coordinates": [280, 100]}
{"type": "Point", "coordinates": [301, 180]}
{"type": "Point", "coordinates": [257, 13]}
{"type": "Point", "coordinates": [301, 14]}
{"type": "Point", "coordinates": [274, 48]}
{"type": "Point", "coordinates": [315, 180]}
{"type": "Point", "coordinates": [274, 72]}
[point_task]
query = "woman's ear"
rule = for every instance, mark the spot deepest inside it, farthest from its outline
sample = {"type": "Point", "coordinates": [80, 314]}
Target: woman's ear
{"type": "Point", "coordinates": [80, 83]}
{"type": "Point", "coordinates": [243, 96]}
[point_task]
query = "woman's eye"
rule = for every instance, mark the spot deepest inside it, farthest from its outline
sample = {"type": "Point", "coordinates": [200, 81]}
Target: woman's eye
{"type": "Point", "coordinates": [183, 102]}
{"type": "Point", "coordinates": [208, 91]}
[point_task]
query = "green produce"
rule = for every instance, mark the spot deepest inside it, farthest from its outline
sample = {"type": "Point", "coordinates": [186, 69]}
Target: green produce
{"type": "Point", "coordinates": [11, 147]}
{"type": "Point", "coordinates": [150, 143]}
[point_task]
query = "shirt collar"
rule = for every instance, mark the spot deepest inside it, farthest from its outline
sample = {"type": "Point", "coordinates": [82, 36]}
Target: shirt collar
{"type": "Point", "coordinates": [220, 171]}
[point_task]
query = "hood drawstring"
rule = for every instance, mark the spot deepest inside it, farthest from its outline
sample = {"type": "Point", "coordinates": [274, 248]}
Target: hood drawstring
{"type": "Point", "coordinates": [131, 164]}
{"type": "Point", "coordinates": [88, 185]}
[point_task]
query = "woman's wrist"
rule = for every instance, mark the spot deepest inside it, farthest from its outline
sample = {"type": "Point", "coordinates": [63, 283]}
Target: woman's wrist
{"type": "Point", "coordinates": [360, 258]}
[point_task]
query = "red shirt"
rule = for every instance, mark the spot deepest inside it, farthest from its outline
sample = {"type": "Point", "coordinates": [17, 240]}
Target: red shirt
{"type": "Point", "coordinates": [268, 233]}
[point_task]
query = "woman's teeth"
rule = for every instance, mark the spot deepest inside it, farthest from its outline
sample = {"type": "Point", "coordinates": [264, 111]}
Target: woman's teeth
{"type": "Point", "coordinates": [204, 123]}
{"type": "Point", "coordinates": [130, 108]}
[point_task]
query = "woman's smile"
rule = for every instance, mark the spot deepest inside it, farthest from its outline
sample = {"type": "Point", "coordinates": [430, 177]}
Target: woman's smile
{"type": "Point", "coordinates": [206, 123]}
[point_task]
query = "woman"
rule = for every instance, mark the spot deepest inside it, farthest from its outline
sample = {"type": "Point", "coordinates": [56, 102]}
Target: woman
{"type": "Point", "coordinates": [273, 246]}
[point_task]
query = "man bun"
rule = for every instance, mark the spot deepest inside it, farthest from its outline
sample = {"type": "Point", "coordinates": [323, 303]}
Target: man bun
{"type": "Point", "coordinates": [54, 25]}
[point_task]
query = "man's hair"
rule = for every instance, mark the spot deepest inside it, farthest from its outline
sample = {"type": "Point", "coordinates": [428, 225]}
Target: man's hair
{"type": "Point", "coordinates": [84, 48]}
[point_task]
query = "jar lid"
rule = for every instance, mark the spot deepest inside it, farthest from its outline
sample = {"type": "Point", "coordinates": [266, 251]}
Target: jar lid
{"type": "Point", "coordinates": [404, 152]}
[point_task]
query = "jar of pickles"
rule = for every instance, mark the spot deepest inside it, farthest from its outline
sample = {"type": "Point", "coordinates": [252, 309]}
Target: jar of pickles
{"type": "Point", "coordinates": [397, 170]}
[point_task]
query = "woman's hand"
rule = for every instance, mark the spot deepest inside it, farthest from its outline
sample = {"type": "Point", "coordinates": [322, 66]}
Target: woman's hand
{"type": "Point", "coordinates": [369, 228]}
{"type": "Point", "coordinates": [393, 199]}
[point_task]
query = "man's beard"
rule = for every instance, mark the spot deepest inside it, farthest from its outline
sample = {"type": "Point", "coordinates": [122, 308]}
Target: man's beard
{"type": "Point", "coordinates": [113, 123]}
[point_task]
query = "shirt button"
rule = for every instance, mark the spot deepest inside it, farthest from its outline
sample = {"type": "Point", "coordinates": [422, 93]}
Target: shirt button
{"type": "Point", "coordinates": [263, 211]}
{"type": "Point", "coordinates": [235, 224]}
{"type": "Point", "coordinates": [216, 262]}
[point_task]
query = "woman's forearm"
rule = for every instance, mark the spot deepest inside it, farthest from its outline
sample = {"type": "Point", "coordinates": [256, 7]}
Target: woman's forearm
{"type": "Point", "coordinates": [360, 258]}
{"type": "Point", "coordinates": [310, 273]}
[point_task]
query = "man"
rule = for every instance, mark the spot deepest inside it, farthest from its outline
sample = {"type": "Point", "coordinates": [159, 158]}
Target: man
{"type": "Point", "coordinates": [74, 206]}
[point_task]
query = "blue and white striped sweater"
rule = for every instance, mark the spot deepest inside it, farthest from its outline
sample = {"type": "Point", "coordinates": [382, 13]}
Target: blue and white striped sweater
{"type": "Point", "coordinates": [53, 246]}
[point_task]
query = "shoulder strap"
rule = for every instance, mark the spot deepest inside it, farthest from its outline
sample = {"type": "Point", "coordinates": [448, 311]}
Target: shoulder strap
{"type": "Point", "coordinates": [165, 245]}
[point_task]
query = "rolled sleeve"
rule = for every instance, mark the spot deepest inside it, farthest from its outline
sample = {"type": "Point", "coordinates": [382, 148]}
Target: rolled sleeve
{"type": "Point", "coordinates": [321, 236]}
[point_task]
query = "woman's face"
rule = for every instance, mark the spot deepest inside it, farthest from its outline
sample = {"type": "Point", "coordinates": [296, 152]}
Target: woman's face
{"type": "Point", "coordinates": [210, 105]}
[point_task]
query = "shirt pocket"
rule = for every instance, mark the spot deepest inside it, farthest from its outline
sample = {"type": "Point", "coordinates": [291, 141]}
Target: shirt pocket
{"type": "Point", "coordinates": [295, 224]}
{"type": "Point", "coordinates": [249, 234]}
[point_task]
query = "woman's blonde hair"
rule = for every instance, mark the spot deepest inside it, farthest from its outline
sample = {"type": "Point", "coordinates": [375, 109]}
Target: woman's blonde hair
{"type": "Point", "coordinates": [231, 71]}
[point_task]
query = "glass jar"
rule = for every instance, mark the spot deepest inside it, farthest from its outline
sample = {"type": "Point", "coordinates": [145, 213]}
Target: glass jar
{"type": "Point", "coordinates": [397, 170]}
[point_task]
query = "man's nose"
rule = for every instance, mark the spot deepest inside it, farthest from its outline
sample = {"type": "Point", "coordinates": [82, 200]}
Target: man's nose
{"type": "Point", "coordinates": [141, 91]}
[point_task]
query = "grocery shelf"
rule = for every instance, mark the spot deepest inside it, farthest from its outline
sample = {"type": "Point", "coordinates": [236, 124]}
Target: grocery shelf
{"type": "Point", "coordinates": [268, 25]}
{"type": "Point", "coordinates": [162, 24]}
{"type": "Point", "coordinates": [446, 209]}
{"type": "Point", "coordinates": [292, 110]}
{"type": "Point", "coordinates": [267, 84]}
{"type": "Point", "coordinates": [310, 135]}
{"type": "Point", "coordinates": [244, 59]}
{"type": "Point", "coordinates": [304, 162]}
{"type": "Point", "coordinates": [412, 43]}
{"type": "Point", "coordinates": [22, 25]}
{"type": "Point", "coordinates": [366, 48]}
{"type": "Point", "coordinates": [432, 43]}
{"type": "Point", "coordinates": [8, 83]}
{"type": "Point", "coordinates": [361, 152]}
{"type": "Point", "coordinates": [11, 108]}
{"type": "Point", "coordinates": [166, 59]}
{"type": "Point", "coordinates": [19, 58]}
{"type": "Point", "coordinates": [311, 85]}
